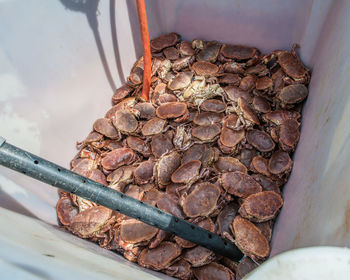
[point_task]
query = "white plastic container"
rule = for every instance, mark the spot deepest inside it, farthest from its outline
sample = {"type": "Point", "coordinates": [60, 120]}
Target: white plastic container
{"type": "Point", "coordinates": [60, 62]}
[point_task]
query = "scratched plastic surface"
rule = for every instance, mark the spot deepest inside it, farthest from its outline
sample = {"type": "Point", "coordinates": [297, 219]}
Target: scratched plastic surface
{"type": "Point", "coordinates": [61, 60]}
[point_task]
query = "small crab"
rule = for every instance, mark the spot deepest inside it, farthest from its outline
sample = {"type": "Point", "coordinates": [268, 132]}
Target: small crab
{"type": "Point", "coordinates": [144, 172]}
{"type": "Point", "coordinates": [146, 110]}
{"type": "Point", "coordinates": [289, 135]}
{"type": "Point", "coordinates": [92, 222]}
{"type": "Point", "coordinates": [138, 145]}
{"type": "Point", "coordinates": [292, 66]}
{"type": "Point", "coordinates": [181, 81]}
{"type": "Point", "coordinates": [206, 133]}
{"type": "Point", "coordinates": [280, 116]}
{"type": "Point", "coordinates": [160, 145]}
{"type": "Point", "coordinates": [164, 41]}
{"type": "Point", "coordinates": [133, 231]}
{"type": "Point", "coordinates": [293, 94]}
{"type": "Point", "coordinates": [153, 126]}
{"type": "Point", "coordinates": [182, 138]}
{"type": "Point", "coordinates": [166, 166]}
{"type": "Point", "coordinates": [248, 83]}
{"type": "Point", "coordinates": [280, 163]}
{"type": "Point", "coordinates": [210, 52]}
{"type": "Point", "coordinates": [207, 118]}
{"type": "Point", "coordinates": [117, 158]}
{"type": "Point", "coordinates": [264, 83]}
{"type": "Point", "coordinates": [259, 164]}
{"type": "Point", "coordinates": [229, 79]}
{"type": "Point", "coordinates": [261, 207]}
{"type": "Point", "coordinates": [233, 93]}
{"type": "Point", "coordinates": [125, 122]}
{"type": "Point", "coordinates": [239, 184]}
{"type": "Point", "coordinates": [169, 205]}
{"type": "Point", "coordinates": [213, 105]}
{"type": "Point", "coordinates": [106, 128]}
{"type": "Point", "coordinates": [238, 52]}
{"type": "Point", "coordinates": [230, 138]}
{"type": "Point", "coordinates": [261, 105]}
{"type": "Point", "coordinates": [121, 177]}
{"type": "Point", "coordinates": [202, 201]}
{"type": "Point", "coordinates": [182, 63]}
{"type": "Point", "coordinates": [199, 256]}
{"type": "Point", "coordinates": [213, 271]}
{"type": "Point", "coordinates": [181, 270]}
{"type": "Point", "coordinates": [66, 210]}
{"type": "Point", "coordinates": [260, 140]}
{"type": "Point", "coordinates": [161, 257]}
{"type": "Point", "coordinates": [171, 53]}
{"type": "Point", "coordinates": [229, 164]}
{"type": "Point", "coordinates": [171, 110]}
{"type": "Point", "coordinates": [249, 239]}
{"type": "Point", "coordinates": [121, 93]}
{"type": "Point", "coordinates": [205, 68]}
{"type": "Point", "coordinates": [185, 48]}
{"type": "Point", "coordinates": [245, 110]}
{"type": "Point", "coordinates": [187, 172]}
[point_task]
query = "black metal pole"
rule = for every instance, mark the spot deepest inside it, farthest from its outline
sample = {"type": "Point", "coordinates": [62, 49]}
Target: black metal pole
{"type": "Point", "coordinates": [52, 174]}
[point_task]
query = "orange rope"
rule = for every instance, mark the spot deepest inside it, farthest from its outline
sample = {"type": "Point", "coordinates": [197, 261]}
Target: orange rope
{"type": "Point", "coordinates": [146, 48]}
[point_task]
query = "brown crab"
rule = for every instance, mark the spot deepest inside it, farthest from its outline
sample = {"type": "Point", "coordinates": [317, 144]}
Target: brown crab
{"type": "Point", "coordinates": [153, 126]}
{"type": "Point", "coordinates": [164, 41]}
{"type": "Point", "coordinates": [238, 52]}
{"type": "Point", "coordinates": [166, 166]}
{"type": "Point", "coordinates": [249, 238]}
{"type": "Point", "coordinates": [210, 52]}
{"type": "Point", "coordinates": [292, 66]}
{"type": "Point", "coordinates": [138, 145]}
{"type": "Point", "coordinates": [117, 158]}
{"type": "Point", "coordinates": [261, 207]}
{"type": "Point", "coordinates": [293, 94]}
{"type": "Point", "coordinates": [260, 140]}
{"type": "Point", "coordinates": [199, 256]}
{"type": "Point", "coordinates": [239, 184]}
{"type": "Point", "coordinates": [280, 163]}
{"type": "Point", "coordinates": [187, 172]}
{"type": "Point", "coordinates": [66, 210]}
{"type": "Point", "coordinates": [161, 257]}
{"type": "Point", "coordinates": [229, 164]}
{"type": "Point", "coordinates": [213, 271]}
{"type": "Point", "coordinates": [202, 201]}
{"type": "Point", "coordinates": [181, 270]}
{"type": "Point", "coordinates": [92, 222]}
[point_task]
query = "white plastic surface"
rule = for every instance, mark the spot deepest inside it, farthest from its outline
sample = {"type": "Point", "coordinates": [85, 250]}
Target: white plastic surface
{"type": "Point", "coordinates": [60, 61]}
{"type": "Point", "coordinates": [306, 264]}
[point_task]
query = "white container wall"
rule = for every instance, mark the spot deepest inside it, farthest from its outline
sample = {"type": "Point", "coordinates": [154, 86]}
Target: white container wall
{"type": "Point", "coordinates": [61, 60]}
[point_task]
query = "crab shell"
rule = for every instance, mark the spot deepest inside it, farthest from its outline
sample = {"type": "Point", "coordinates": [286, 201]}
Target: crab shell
{"type": "Point", "coordinates": [202, 201]}
{"type": "Point", "coordinates": [181, 269]}
{"type": "Point", "coordinates": [164, 41]}
{"type": "Point", "coordinates": [133, 231]}
{"type": "Point", "coordinates": [213, 271]}
{"type": "Point", "coordinates": [89, 222]}
{"type": "Point", "coordinates": [249, 238]}
{"type": "Point", "coordinates": [239, 184]}
{"type": "Point", "coordinates": [199, 256]}
{"type": "Point", "coordinates": [261, 207]}
{"type": "Point", "coordinates": [161, 257]}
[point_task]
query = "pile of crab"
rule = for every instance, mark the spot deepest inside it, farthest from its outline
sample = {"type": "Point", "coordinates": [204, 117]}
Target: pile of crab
{"type": "Point", "coordinates": [212, 146]}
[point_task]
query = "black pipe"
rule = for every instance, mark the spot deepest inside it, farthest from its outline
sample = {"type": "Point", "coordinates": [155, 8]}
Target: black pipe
{"type": "Point", "coordinates": [52, 174]}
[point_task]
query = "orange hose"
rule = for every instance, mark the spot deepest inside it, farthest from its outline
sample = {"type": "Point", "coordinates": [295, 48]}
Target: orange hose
{"type": "Point", "coordinates": [146, 48]}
